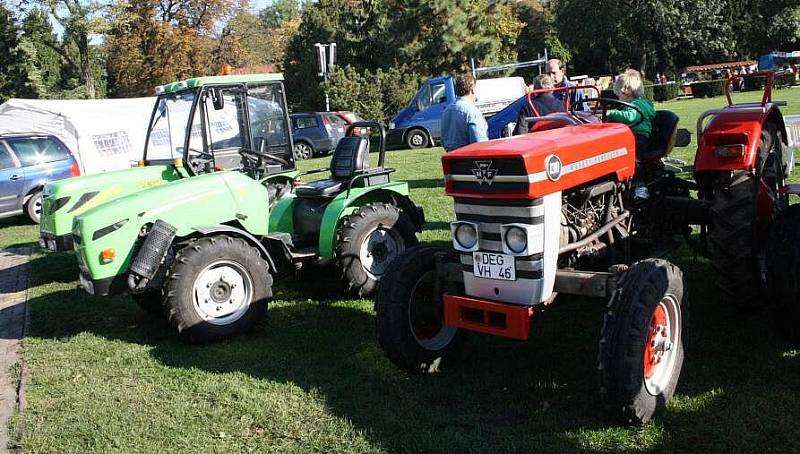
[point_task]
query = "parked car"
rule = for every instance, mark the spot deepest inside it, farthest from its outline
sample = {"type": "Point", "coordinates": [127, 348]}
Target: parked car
{"type": "Point", "coordinates": [316, 133]}
{"type": "Point", "coordinates": [350, 118]}
{"type": "Point", "coordinates": [27, 162]}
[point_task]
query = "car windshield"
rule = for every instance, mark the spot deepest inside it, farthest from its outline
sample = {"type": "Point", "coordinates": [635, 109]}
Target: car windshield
{"type": "Point", "coordinates": [169, 124]}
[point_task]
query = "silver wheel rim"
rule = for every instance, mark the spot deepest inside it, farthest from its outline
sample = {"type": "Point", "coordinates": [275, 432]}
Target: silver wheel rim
{"type": "Point", "coordinates": [417, 139]}
{"type": "Point", "coordinates": [665, 343]}
{"type": "Point", "coordinates": [444, 336]}
{"type": "Point", "coordinates": [301, 151]}
{"type": "Point", "coordinates": [379, 248]}
{"type": "Point", "coordinates": [37, 207]}
{"type": "Point", "coordinates": [222, 292]}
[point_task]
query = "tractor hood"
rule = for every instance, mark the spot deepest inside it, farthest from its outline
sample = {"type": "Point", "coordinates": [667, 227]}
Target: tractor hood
{"type": "Point", "coordinates": [191, 202]}
{"type": "Point", "coordinates": [187, 204]}
{"type": "Point", "coordinates": [534, 165]}
{"type": "Point", "coordinates": [64, 199]}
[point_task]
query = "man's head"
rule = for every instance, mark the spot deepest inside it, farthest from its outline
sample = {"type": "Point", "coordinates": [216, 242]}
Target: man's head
{"type": "Point", "coordinates": [542, 81]}
{"type": "Point", "coordinates": [556, 70]}
{"type": "Point", "coordinates": [465, 84]}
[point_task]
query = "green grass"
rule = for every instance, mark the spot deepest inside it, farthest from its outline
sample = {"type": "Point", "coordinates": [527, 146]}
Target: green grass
{"type": "Point", "coordinates": [106, 377]}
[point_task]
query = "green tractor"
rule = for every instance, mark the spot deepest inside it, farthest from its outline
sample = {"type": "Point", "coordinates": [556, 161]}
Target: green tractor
{"type": "Point", "coordinates": [203, 250]}
{"type": "Point", "coordinates": [162, 160]}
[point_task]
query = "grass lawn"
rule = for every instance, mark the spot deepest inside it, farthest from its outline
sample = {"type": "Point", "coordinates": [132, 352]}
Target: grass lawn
{"type": "Point", "coordinates": [106, 377]}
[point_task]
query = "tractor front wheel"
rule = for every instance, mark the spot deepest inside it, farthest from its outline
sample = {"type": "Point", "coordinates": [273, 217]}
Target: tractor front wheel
{"type": "Point", "coordinates": [641, 344]}
{"type": "Point", "coordinates": [368, 241]}
{"type": "Point", "coordinates": [217, 287]}
{"type": "Point", "coordinates": [410, 317]}
{"type": "Point", "coordinates": [783, 272]}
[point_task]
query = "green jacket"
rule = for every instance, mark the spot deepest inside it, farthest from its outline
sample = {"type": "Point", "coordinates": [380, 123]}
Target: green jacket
{"type": "Point", "coordinates": [629, 116]}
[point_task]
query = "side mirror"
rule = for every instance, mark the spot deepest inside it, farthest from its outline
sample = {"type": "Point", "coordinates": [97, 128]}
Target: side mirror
{"type": "Point", "coordinates": [683, 137]}
{"type": "Point", "coordinates": [217, 99]}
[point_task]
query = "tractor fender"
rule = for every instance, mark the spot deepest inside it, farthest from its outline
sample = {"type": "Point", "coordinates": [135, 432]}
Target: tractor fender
{"type": "Point", "coordinates": [239, 233]}
{"type": "Point", "coordinates": [736, 126]}
{"type": "Point", "coordinates": [394, 193]}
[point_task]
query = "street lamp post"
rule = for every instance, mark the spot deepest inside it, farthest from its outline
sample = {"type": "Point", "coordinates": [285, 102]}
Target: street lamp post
{"type": "Point", "coordinates": [326, 58]}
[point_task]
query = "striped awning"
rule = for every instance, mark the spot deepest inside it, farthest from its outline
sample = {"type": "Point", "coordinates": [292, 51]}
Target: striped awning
{"type": "Point", "coordinates": [718, 66]}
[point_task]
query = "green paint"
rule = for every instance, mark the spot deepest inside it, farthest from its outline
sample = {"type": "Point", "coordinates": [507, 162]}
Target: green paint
{"type": "Point", "coordinates": [174, 87]}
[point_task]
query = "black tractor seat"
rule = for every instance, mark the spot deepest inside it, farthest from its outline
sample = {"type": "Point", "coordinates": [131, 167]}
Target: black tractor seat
{"type": "Point", "coordinates": [349, 166]}
{"type": "Point", "coordinates": [662, 139]}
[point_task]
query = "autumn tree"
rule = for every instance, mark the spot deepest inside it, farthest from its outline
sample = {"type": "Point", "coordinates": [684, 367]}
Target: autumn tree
{"type": "Point", "coordinates": [153, 42]}
{"type": "Point", "coordinates": [249, 40]}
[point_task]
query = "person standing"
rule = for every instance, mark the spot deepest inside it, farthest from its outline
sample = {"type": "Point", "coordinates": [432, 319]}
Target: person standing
{"type": "Point", "coordinates": [462, 122]}
{"type": "Point", "coordinates": [556, 71]}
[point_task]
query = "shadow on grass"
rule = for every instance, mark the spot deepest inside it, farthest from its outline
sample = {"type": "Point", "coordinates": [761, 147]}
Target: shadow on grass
{"type": "Point", "coordinates": [738, 389]}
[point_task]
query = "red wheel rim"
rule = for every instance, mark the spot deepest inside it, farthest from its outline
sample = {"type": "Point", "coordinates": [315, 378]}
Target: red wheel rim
{"type": "Point", "coordinates": [656, 336]}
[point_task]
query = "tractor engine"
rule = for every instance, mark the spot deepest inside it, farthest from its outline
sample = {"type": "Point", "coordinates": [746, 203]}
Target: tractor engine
{"type": "Point", "coordinates": [528, 205]}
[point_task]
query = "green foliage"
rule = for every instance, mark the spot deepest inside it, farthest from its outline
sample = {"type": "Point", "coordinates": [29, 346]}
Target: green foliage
{"type": "Point", "coordinates": [708, 89]}
{"type": "Point", "coordinates": [12, 60]}
{"type": "Point", "coordinates": [539, 32]}
{"type": "Point", "coordinates": [279, 12]}
{"type": "Point", "coordinates": [662, 92]}
{"type": "Point", "coordinates": [374, 95]}
{"type": "Point", "coordinates": [43, 59]}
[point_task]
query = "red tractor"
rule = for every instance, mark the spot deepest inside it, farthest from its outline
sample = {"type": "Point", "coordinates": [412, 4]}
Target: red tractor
{"type": "Point", "coordinates": [577, 210]}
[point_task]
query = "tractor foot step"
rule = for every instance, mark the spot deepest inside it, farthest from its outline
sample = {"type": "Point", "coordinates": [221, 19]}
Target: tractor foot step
{"type": "Point", "coordinates": [304, 254]}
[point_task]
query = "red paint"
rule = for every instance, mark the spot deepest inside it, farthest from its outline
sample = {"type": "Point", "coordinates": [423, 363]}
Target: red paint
{"type": "Point", "coordinates": [487, 317]}
{"type": "Point", "coordinates": [652, 357]}
{"type": "Point", "coordinates": [571, 144]}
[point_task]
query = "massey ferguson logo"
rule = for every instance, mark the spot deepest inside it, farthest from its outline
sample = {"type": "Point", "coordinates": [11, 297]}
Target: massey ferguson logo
{"type": "Point", "coordinates": [552, 167]}
{"type": "Point", "coordinates": [484, 172]}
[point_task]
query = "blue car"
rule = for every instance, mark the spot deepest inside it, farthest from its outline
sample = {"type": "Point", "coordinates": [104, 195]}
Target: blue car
{"type": "Point", "coordinates": [27, 162]}
{"type": "Point", "coordinates": [316, 133]}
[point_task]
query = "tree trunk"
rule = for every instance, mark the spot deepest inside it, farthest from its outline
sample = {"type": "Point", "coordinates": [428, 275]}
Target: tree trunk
{"type": "Point", "coordinates": [87, 79]}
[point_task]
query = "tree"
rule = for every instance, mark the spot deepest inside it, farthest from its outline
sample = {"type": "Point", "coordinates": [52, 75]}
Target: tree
{"type": "Point", "coordinates": [152, 42]}
{"type": "Point", "coordinates": [80, 20]}
{"type": "Point", "coordinates": [279, 13]}
{"type": "Point", "coordinates": [12, 77]}
{"type": "Point", "coordinates": [42, 50]}
{"type": "Point", "coordinates": [246, 40]}
{"type": "Point", "coordinates": [539, 32]}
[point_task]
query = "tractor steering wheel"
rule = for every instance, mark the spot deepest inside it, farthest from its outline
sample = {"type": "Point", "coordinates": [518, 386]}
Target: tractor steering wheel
{"type": "Point", "coordinates": [604, 103]}
{"type": "Point", "coordinates": [256, 156]}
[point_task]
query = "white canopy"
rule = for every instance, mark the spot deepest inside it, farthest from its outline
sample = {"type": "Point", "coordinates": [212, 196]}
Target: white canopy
{"type": "Point", "coordinates": [103, 134]}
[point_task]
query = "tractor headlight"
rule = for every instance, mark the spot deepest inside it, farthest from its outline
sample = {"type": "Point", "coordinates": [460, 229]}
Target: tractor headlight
{"type": "Point", "coordinates": [465, 235]}
{"type": "Point", "coordinates": [516, 239]}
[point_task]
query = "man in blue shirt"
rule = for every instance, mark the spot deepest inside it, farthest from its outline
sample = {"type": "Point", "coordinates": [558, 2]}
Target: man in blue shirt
{"type": "Point", "coordinates": [556, 71]}
{"type": "Point", "coordinates": [462, 123]}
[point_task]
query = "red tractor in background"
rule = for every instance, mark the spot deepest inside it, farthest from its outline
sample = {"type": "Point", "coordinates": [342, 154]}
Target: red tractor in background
{"type": "Point", "coordinates": [577, 210]}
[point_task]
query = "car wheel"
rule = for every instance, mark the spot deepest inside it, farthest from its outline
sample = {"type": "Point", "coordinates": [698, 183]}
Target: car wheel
{"type": "Point", "coordinates": [417, 138]}
{"type": "Point", "coordinates": [302, 151]}
{"type": "Point", "coordinates": [33, 207]}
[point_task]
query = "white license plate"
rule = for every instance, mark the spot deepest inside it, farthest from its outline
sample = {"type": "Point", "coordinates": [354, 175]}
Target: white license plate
{"type": "Point", "coordinates": [87, 284]}
{"type": "Point", "coordinates": [494, 266]}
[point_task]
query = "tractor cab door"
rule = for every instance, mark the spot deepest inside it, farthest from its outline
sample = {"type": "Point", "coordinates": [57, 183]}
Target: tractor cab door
{"type": "Point", "coordinates": [269, 125]}
{"type": "Point", "coordinates": [223, 129]}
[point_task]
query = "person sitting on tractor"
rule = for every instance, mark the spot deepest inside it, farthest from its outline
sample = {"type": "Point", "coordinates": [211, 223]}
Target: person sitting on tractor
{"type": "Point", "coordinates": [543, 104]}
{"type": "Point", "coordinates": [628, 87]}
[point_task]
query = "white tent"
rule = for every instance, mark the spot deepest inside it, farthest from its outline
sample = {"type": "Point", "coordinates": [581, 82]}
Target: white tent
{"type": "Point", "coordinates": [103, 134]}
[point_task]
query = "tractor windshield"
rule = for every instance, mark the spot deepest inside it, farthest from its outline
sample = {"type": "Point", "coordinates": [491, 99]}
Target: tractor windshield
{"type": "Point", "coordinates": [168, 126]}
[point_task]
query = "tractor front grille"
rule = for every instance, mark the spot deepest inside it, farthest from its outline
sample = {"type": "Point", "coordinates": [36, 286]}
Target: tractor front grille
{"type": "Point", "coordinates": [489, 215]}
{"type": "Point", "coordinates": [488, 176]}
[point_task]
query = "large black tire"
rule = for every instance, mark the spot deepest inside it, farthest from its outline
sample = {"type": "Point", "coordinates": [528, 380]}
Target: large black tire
{"type": "Point", "coordinates": [638, 369]}
{"type": "Point", "coordinates": [220, 264]}
{"type": "Point", "coordinates": [151, 301]}
{"type": "Point", "coordinates": [736, 240]}
{"type": "Point", "coordinates": [33, 207]}
{"type": "Point", "coordinates": [367, 242]}
{"type": "Point", "coordinates": [783, 272]}
{"type": "Point", "coordinates": [417, 138]}
{"type": "Point", "coordinates": [409, 320]}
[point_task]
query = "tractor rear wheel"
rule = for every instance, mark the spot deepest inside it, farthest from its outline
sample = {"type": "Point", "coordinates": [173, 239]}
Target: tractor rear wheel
{"type": "Point", "coordinates": [368, 241]}
{"type": "Point", "coordinates": [217, 287]}
{"type": "Point", "coordinates": [410, 318]}
{"type": "Point", "coordinates": [742, 211]}
{"type": "Point", "coordinates": [641, 343]}
{"type": "Point", "coordinates": [783, 272]}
